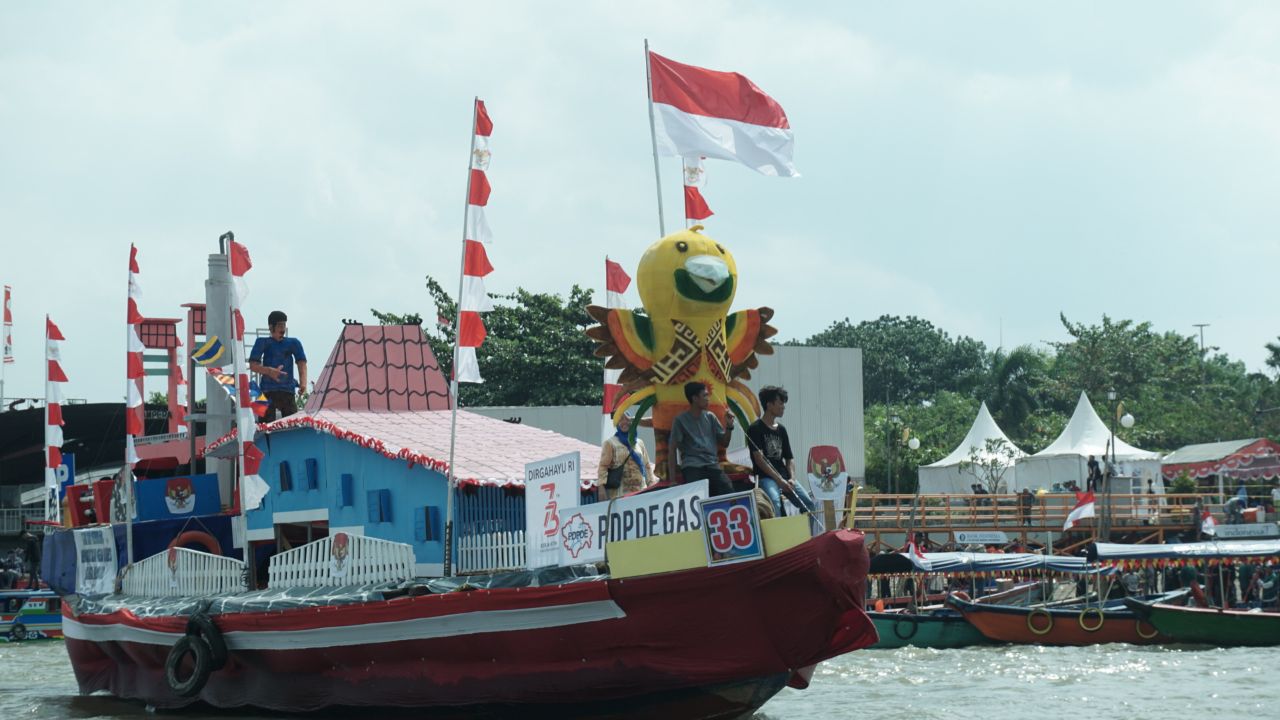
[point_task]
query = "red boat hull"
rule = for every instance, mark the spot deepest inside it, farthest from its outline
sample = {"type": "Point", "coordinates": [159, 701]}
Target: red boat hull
{"type": "Point", "coordinates": [715, 641]}
{"type": "Point", "coordinates": [1038, 626]}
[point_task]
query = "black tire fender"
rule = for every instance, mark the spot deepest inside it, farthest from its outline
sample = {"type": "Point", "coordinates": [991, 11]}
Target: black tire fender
{"type": "Point", "coordinates": [202, 626]}
{"type": "Point", "coordinates": [200, 658]}
{"type": "Point", "coordinates": [908, 620]}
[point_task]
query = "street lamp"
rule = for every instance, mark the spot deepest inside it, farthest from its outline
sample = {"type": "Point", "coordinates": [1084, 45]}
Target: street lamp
{"type": "Point", "coordinates": [1127, 421]}
{"type": "Point", "coordinates": [893, 423]}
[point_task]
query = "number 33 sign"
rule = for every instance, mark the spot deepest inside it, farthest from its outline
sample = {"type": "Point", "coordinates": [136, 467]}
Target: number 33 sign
{"type": "Point", "coordinates": [732, 528]}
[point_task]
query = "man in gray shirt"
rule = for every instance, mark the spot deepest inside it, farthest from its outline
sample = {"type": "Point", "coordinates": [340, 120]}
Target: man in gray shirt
{"type": "Point", "coordinates": [697, 436]}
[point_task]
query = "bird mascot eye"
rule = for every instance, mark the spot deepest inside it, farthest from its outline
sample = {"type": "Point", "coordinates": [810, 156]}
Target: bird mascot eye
{"type": "Point", "coordinates": [721, 249]}
{"type": "Point", "coordinates": [682, 246]}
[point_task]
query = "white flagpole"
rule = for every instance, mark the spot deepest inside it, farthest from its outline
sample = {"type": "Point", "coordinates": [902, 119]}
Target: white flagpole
{"type": "Point", "coordinates": [653, 138]}
{"type": "Point", "coordinates": [457, 326]}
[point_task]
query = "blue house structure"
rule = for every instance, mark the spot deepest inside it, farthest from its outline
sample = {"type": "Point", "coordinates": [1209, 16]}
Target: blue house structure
{"type": "Point", "coordinates": [368, 455]}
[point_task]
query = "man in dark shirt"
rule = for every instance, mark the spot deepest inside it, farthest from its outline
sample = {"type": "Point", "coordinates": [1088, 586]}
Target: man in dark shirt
{"type": "Point", "coordinates": [696, 435]}
{"type": "Point", "coordinates": [273, 358]}
{"type": "Point", "coordinates": [32, 548]}
{"type": "Point", "coordinates": [771, 454]}
{"type": "Point", "coordinates": [1091, 481]}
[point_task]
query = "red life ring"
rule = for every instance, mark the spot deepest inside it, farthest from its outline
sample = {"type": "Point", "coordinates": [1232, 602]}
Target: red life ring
{"type": "Point", "coordinates": [196, 537]}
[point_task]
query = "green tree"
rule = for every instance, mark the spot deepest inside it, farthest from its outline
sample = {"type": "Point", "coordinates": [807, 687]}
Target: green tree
{"type": "Point", "coordinates": [536, 351]}
{"type": "Point", "coordinates": [906, 360]}
{"type": "Point", "coordinates": [939, 424]}
{"type": "Point", "coordinates": [1013, 386]}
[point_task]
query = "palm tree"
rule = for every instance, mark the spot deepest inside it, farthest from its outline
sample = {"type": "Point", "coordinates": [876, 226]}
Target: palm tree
{"type": "Point", "coordinates": [1010, 386]}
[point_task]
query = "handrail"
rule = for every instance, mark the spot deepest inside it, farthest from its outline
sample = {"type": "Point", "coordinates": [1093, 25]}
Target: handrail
{"type": "Point", "coordinates": [180, 572]}
{"type": "Point", "coordinates": [945, 511]}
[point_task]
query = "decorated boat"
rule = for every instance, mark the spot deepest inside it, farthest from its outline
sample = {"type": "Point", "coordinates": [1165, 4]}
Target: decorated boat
{"type": "Point", "coordinates": [1211, 626]}
{"type": "Point", "coordinates": [30, 615]}
{"type": "Point", "coordinates": [385, 548]}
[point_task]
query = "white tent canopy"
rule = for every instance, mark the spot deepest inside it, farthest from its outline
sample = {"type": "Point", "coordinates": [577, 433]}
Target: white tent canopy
{"type": "Point", "coordinates": [1066, 459]}
{"type": "Point", "coordinates": [945, 476]}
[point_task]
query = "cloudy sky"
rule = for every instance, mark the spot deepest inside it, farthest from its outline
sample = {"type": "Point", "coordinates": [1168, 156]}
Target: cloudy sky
{"type": "Point", "coordinates": [983, 165]}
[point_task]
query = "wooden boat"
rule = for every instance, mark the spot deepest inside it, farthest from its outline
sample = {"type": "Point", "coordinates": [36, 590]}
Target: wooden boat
{"type": "Point", "coordinates": [698, 643]}
{"type": "Point", "coordinates": [1088, 624]}
{"type": "Point", "coordinates": [1210, 626]}
{"type": "Point", "coordinates": [938, 628]}
{"type": "Point", "coordinates": [30, 615]}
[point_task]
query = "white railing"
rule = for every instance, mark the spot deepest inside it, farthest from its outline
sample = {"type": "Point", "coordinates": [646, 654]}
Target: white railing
{"type": "Point", "coordinates": [488, 552]}
{"type": "Point", "coordinates": [342, 559]}
{"type": "Point", "coordinates": [13, 520]}
{"type": "Point", "coordinates": [182, 572]}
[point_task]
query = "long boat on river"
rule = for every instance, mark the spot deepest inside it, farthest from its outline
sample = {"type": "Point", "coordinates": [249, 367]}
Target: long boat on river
{"type": "Point", "coordinates": [1211, 626]}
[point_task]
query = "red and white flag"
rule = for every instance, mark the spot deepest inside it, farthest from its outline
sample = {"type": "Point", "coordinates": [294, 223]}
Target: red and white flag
{"type": "Point", "coordinates": [916, 555]}
{"type": "Point", "coordinates": [1083, 509]}
{"type": "Point", "coordinates": [53, 379]}
{"type": "Point", "coordinates": [473, 298]}
{"type": "Point", "coordinates": [133, 364]}
{"type": "Point", "coordinates": [616, 282]}
{"type": "Point", "coordinates": [707, 113]}
{"type": "Point", "coordinates": [1208, 525]}
{"type": "Point", "coordinates": [252, 488]}
{"type": "Point", "coordinates": [695, 207]}
{"type": "Point", "coordinates": [7, 331]}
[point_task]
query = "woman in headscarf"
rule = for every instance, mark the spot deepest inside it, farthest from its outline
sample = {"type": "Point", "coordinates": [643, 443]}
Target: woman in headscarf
{"type": "Point", "coordinates": [619, 452]}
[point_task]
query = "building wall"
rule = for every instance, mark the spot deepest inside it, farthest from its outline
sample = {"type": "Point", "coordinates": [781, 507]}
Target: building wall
{"type": "Point", "coordinates": [825, 408]}
{"type": "Point", "coordinates": [412, 489]}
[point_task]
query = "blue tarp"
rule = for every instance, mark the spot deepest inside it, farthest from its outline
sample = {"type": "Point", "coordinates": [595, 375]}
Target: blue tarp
{"type": "Point", "coordinates": [1196, 550]}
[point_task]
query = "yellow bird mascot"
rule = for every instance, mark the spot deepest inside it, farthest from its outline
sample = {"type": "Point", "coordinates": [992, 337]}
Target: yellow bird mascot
{"type": "Point", "coordinates": [687, 282]}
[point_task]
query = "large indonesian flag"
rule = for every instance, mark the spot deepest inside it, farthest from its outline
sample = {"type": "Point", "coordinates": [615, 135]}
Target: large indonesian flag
{"type": "Point", "coordinates": [1082, 510]}
{"type": "Point", "coordinates": [707, 113]}
{"type": "Point", "coordinates": [1208, 525]}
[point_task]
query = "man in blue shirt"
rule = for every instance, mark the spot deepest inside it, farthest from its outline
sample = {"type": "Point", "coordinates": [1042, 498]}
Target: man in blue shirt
{"type": "Point", "coordinates": [273, 358]}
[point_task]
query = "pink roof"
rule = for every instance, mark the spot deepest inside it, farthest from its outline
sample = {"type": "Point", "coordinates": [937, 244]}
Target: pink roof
{"type": "Point", "coordinates": [489, 451]}
{"type": "Point", "coordinates": [380, 368]}
{"type": "Point", "coordinates": [382, 389]}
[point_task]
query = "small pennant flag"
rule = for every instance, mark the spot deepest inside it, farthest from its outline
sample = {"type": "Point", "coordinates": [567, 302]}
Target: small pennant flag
{"type": "Point", "coordinates": [209, 352]}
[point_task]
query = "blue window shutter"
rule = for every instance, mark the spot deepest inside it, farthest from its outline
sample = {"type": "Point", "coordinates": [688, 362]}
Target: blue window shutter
{"type": "Point", "coordinates": [384, 501]}
{"type": "Point", "coordinates": [348, 490]}
{"type": "Point", "coordinates": [435, 529]}
{"type": "Point", "coordinates": [375, 507]}
{"type": "Point", "coordinates": [420, 524]}
{"type": "Point", "coordinates": [286, 477]}
{"type": "Point", "coordinates": [313, 474]}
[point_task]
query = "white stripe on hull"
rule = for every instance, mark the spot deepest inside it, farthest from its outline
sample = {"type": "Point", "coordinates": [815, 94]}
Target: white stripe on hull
{"type": "Point", "coordinates": [471, 623]}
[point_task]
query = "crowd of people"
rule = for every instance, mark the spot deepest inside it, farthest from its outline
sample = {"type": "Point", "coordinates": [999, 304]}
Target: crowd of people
{"type": "Point", "coordinates": [22, 564]}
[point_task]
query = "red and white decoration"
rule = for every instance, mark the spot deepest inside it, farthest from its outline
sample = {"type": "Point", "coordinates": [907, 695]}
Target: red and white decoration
{"type": "Point", "coordinates": [917, 555]}
{"type": "Point", "coordinates": [133, 366]}
{"type": "Point", "coordinates": [54, 377]}
{"type": "Point", "coordinates": [8, 326]}
{"type": "Point", "coordinates": [249, 458]}
{"type": "Point", "coordinates": [1083, 509]}
{"type": "Point", "coordinates": [707, 113]}
{"type": "Point", "coordinates": [616, 282]}
{"type": "Point", "coordinates": [695, 207]}
{"type": "Point", "coordinates": [1208, 525]}
{"type": "Point", "coordinates": [472, 298]}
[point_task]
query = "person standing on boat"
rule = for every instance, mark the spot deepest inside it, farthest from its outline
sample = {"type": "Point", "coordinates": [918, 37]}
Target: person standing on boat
{"type": "Point", "coordinates": [619, 454]}
{"type": "Point", "coordinates": [696, 436]}
{"type": "Point", "coordinates": [31, 550]}
{"type": "Point", "coordinates": [273, 358]}
{"type": "Point", "coordinates": [770, 447]}
{"type": "Point", "coordinates": [1091, 481]}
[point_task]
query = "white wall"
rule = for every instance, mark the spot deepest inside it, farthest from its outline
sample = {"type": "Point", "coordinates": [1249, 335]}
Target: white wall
{"type": "Point", "coordinates": [825, 407]}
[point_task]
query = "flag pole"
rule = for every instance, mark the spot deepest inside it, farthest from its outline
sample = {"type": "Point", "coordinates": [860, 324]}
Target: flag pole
{"type": "Point", "coordinates": [47, 505]}
{"type": "Point", "coordinates": [653, 139]}
{"type": "Point", "coordinates": [457, 326]}
{"type": "Point", "coordinates": [126, 473]}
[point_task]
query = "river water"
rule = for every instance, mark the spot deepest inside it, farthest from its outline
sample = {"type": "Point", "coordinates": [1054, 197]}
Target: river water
{"type": "Point", "coordinates": [991, 683]}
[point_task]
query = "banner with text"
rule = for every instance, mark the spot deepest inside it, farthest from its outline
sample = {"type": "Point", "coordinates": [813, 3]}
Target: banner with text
{"type": "Point", "coordinates": [550, 486]}
{"type": "Point", "coordinates": [583, 531]}
{"type": "Point", "coordinates": [95, 561]}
